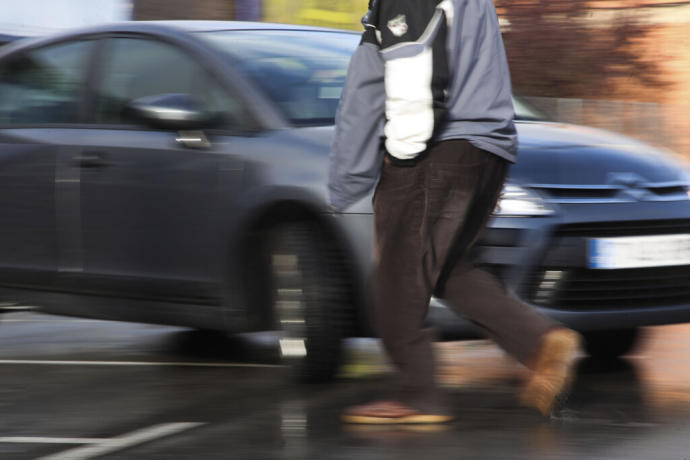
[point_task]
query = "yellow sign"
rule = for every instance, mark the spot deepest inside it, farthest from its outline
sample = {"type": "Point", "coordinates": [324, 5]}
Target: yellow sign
{"type": "Point", "coordinates": [343, 14]}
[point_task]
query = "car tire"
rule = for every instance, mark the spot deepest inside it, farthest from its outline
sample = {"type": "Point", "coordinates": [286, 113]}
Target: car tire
{"type": "Point", "coordinates": [612, 343]}
{"type": "Point", "coordinates": [309, 300]}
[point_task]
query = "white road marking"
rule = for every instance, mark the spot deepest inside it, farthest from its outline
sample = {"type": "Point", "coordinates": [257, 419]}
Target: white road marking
{"type": "Point", "coordinates": [131, 363]}
{"type": "Point", "coordinates": [16, 308]}
{"type": "Point", "coordinates": [46, 320]}
{"type": "Point", "coordinates": [28, 316]}
{"type": "Point", "coordinates": [125, 441]}
{"type": "Point", "coordinates": [46, 440]}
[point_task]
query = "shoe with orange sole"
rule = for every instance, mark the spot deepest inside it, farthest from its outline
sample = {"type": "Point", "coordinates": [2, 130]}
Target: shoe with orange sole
{"type": "Point", "coordinates": [390, 412]}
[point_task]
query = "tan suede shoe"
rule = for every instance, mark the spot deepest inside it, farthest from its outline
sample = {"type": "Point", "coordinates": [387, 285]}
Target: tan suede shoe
{"type": "Point", "coordinates": [390, 412]}
{"type": "Point", "coordinates": [553, 371]}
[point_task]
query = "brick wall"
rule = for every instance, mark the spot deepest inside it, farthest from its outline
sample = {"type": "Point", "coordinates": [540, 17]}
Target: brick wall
{"type": "Point", "coordinates": [663, 125]}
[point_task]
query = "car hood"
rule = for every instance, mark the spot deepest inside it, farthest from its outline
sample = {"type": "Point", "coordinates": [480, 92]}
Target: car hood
{"type": "Point", "coordinates": [562, 154]}
{"type": "Point", "coordinates": [551, 134]}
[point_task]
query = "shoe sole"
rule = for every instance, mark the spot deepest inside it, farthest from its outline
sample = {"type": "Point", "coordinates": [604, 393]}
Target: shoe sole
{"type": "Point", "coordinates": [410, 419]}
{"type": "Point", "coordinates": [399, 431]}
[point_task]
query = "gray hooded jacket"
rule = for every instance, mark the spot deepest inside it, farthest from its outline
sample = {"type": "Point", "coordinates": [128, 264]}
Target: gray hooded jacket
{"type": "Point", "coordinates": [425, 71]}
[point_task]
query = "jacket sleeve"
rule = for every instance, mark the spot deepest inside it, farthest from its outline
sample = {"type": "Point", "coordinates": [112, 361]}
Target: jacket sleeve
{"type": "Point", "coordinates": [413, 48]}
{"type": "Point", "coordinates": [356, 154]}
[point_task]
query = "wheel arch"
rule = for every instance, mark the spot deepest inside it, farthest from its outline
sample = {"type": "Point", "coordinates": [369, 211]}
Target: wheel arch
{"type": "Point", "coordinates": [281, 207]}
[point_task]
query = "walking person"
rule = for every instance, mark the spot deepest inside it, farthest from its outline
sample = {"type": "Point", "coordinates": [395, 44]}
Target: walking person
{"type": "Point", "coordinates": [426, 116]}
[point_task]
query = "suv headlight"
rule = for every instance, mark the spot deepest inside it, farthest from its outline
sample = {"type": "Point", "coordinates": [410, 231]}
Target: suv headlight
{"type": "Point", "coordinates": [516, 201]}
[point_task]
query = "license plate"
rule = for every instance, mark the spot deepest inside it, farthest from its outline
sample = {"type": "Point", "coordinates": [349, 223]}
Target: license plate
{"type": "Point", "coordinates": [638, 251]}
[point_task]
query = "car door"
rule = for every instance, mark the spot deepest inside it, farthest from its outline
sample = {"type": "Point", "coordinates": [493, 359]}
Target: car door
{"type": "Point", "coordinates": [151, 199]}
{"type": "Point", "coordinates": [41, 100]}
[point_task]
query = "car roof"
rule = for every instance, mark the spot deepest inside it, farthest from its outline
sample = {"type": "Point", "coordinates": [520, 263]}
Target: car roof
{"type": "Point", "coordinates": [216, 26]}
{"type": "Point", "coordinates": [169, 28]}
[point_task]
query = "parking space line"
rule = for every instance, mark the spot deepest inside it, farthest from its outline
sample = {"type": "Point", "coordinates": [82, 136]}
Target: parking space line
{"type": "Point", "coordinates": [47, 440]}
{"type": "Point", "coordinates": [108, 446]}
{"type": "Point", "coordinates": [41, 362]}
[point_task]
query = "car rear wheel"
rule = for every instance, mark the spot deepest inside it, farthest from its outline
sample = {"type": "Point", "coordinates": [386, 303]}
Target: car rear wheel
{"type": "Point", "coordinates": [309, 300]}
{"type": "Point", "coordinates": [611, 344]}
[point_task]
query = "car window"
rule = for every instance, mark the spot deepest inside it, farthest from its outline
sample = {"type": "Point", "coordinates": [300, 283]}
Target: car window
{"type": "Point", "coordinates": [43, 85]}
{"type": "Point", "coordinates": [525, 111]}
{"type": "Point", "coordinates": [303, 72]}
{"type": "Point", "coordinates": [136, 68]}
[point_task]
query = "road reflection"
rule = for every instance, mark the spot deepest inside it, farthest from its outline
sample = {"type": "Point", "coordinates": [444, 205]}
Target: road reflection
{"type": "Point", "coordinates": [622, 408]}
{"type": "Point", "coordinates": [632, 408]}
{"type": "Point", "coordinates": [656, 377]}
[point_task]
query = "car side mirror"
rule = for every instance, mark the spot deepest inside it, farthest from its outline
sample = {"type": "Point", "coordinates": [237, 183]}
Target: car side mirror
{"type": "Point", "coordinates": [169, 111]}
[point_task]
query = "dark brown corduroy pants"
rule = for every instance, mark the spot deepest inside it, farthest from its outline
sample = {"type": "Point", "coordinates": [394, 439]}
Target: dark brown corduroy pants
{"type": "Point", "coordinates": [427, 217]}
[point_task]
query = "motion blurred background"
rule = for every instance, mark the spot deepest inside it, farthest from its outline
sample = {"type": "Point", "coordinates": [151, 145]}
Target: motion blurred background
{"type": "Point", "coordinates": [622, 65]}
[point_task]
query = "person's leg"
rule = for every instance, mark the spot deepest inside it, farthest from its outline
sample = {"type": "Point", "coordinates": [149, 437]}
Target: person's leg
{"type": "Point", "coordinates": [476, 293]}
{"type": "Point", "coordinates": [417, 212]}
{"type": "Point", "coordinates": [514, 326]}
{"type": "Point", "coordinates": [534, 339]}
{"type": "Point", "coordinates": [423, 215]}
{"type": "Point", "coordinates": [539, 343]}
{"type": "Point", "coordinates": [464, 184]}
{"type": "Point", "coordinates": [401, 300]}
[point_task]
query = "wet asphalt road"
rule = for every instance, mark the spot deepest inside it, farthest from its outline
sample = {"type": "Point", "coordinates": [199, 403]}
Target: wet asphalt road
{"type": "Point", "coordinates": [78, 389]}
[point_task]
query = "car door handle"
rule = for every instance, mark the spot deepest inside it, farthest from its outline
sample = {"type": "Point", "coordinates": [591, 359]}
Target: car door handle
{"type": "Point", "coordinates": [90, 160]}
{"type": "Point", "coordinates": [193, 139]}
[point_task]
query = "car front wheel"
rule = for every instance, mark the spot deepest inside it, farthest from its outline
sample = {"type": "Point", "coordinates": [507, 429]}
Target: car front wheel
{"type": "Point", "coordinates": [308, 300]}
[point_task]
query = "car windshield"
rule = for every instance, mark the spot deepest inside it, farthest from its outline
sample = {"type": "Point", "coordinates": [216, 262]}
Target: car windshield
{"type": "Point", "coordinates": [303, 71]}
